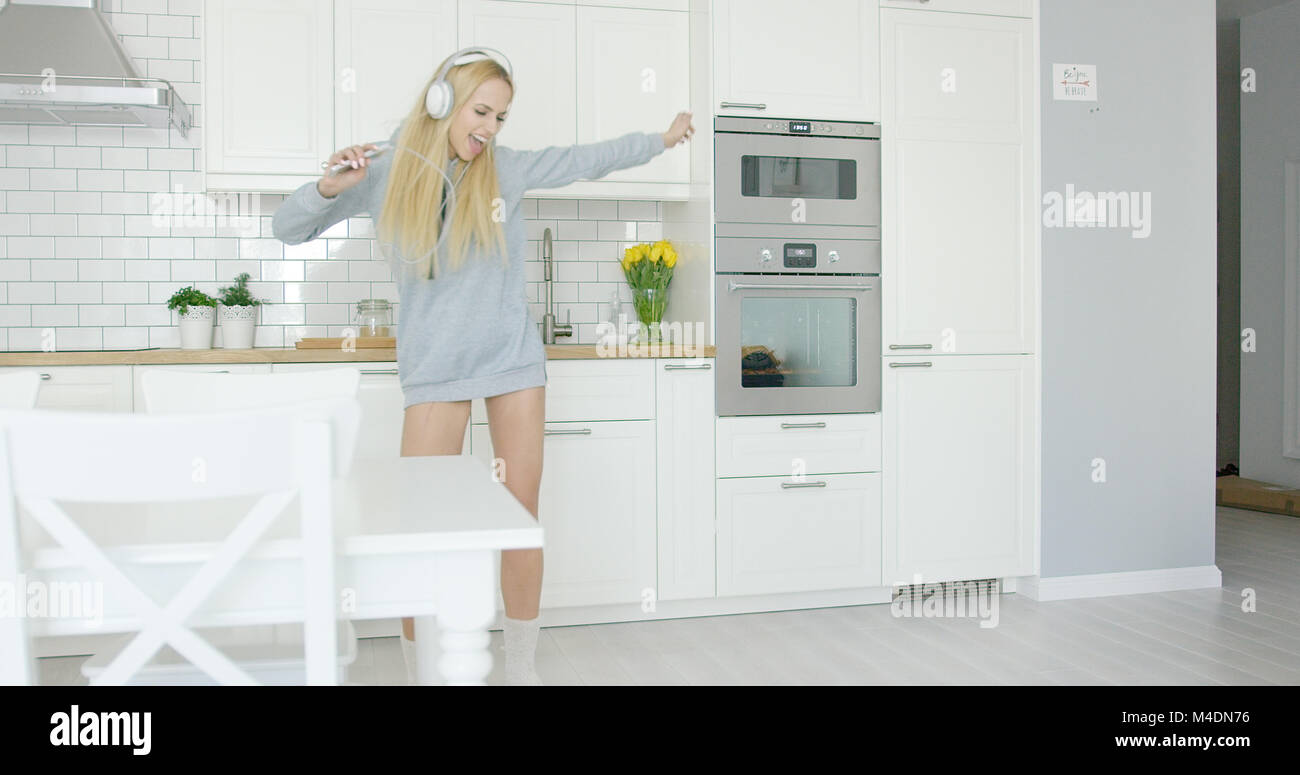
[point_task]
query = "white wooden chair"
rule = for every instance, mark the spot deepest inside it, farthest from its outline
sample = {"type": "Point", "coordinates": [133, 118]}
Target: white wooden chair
{"type": "Point", "coordinates": [276, 454]}
{"type": "Point", "coordinates": [19, 389]}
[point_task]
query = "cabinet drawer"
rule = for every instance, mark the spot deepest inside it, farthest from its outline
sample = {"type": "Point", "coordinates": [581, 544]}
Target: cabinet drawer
{"type": "Point", "coordinates": [1023, 8]}
{"type": "Point", "coordinates": [82, 388]}
{"type": "Point", "coordinates": [785, 445]}
{"type": "Point", "coordinates": [782, 535]}
{"type": "Point", "coordinates": [221, 368]}
{"type": "Point", "coordinates": [601, 389]}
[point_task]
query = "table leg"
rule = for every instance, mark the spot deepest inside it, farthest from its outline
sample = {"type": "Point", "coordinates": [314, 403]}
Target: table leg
{"type": "Point", "coordinates": [428, 651]}
{"type": "Point", "coordinates": [466, 594]}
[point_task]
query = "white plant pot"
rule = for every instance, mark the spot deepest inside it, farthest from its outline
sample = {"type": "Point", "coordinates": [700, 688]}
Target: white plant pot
{"type": "Point", "coordinates": [196, 328]}
{"type": "Point", "coordinates": [238, 326]}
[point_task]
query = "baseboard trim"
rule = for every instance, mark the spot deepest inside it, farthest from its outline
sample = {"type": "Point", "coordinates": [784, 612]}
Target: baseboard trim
{"type": "Point", "coordinates": [1125, 583]}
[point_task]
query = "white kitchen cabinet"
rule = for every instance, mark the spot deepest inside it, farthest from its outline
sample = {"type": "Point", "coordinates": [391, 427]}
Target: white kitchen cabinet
{"type": "Point", "coordinates": [960, 468]}
{"type": "Point", "coordinates": [268, 92]}
{"type": "Point", "coordinates": [959, 182]}
{"type": "Point", "coordinates": [684, 473]}
{"type": "Point", "coordinates": [385, 52]}
{"type": "Point", "coordinates": [633, 76]}
{"type": "Point", "coordinates": [597, 506]}
{"type": "Point", "coordinates": [539, 39]}
{"type": "Point", "coordinates": [138, 372]}
{"type": "Point", "coordinates": [774, 445]}
{"type": "Point", "coordinates": [382, 414]}
{"type": "Point", "coordinates": [780, 534]}
{"type": "Point", "coordinates": [593, 389]}
{"type": "Point", "coordinates": [782, 59]}
{"type": "Point", "coordinates": [995, 7]}
{"type": "Point", "coordinates": [82, 388]}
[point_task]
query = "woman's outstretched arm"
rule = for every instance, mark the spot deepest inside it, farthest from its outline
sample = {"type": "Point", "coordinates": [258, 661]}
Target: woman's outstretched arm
{"type": "Point", "coordinates": [560, 165]}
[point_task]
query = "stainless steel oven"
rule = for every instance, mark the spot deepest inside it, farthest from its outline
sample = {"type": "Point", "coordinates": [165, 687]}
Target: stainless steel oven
{"type": "Point", "coordinates": [797, 262]}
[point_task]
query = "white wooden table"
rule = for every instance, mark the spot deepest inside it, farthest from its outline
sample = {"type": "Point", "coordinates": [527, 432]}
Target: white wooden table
{"type": "Point", "coordinates": [415, 537]}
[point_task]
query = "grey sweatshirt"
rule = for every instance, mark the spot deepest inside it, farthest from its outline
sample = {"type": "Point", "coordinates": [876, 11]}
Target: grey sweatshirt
{"type": "Point", "coordinates": [467, 334]}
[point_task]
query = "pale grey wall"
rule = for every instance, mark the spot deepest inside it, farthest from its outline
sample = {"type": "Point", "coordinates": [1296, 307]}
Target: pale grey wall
{"type": "Point", "coordinates": [1129, 325]}
{"type": "Point", "coordinates": [1229, 403]}
{"type": "Point", "coordinates": [1270, 135]}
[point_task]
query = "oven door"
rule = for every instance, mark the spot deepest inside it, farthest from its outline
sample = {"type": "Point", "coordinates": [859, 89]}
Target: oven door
{"type": "Point", "coordinates": [797, 345]}
{"type": "Point", "coordinates": [759, 178]}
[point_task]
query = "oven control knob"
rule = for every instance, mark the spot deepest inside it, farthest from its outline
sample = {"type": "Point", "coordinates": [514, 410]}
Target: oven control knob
{"type": "Point", "coordinates": [765, 255]}
{"type": "Point", "coordinates": [834, 256]}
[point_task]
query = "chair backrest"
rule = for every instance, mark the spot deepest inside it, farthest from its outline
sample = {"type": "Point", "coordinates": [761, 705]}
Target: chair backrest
{"type": "Point", "coordinates": [115, 457]}
{"type": "Point", "coordinates": [171, 392]}
{"type": "Point", "coordinates": [19, 389]}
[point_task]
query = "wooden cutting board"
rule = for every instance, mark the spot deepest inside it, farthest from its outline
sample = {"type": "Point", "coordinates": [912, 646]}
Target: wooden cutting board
{"type": "Point", "coordinates": [336, 342]}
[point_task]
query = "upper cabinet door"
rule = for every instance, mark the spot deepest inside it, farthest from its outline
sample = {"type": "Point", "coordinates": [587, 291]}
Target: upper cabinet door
{"type": "Point", "coordinates": [959, 184]}
{"type": "Point", "coordinates": [1023, 8]}
{"type": "Point", "coordinates": [385, 52]}
{"type": "Point", "coordinates": [633, 77]}
{"type": "Point", "coordinates": [269, 100]}
{"type": "Point", "coordinates": [775, 58]}
{"type": "Point", "coordinates": [539, 40]}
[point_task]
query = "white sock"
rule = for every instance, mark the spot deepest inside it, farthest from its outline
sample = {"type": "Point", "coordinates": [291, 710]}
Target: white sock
{"type": "Point", "coordinates": [521, 651]}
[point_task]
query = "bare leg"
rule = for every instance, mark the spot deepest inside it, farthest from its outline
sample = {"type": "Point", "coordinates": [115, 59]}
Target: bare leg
{"type": "Point", "coordinates": [435, 428]}
{"type": "Point", "coordinates": [515, 421]}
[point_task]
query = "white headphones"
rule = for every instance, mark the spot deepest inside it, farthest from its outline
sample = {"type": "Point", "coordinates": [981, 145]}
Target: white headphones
{"type": "Point", "coordinates": [440, 97]}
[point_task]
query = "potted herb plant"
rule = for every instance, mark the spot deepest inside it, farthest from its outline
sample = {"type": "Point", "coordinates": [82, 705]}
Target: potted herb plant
{"type": "Point", "coordinates": [197, 312]}
{"type": "Point", "coordinates": [238, 315]}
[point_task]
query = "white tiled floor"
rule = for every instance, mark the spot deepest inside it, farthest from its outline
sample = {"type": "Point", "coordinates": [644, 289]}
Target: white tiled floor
{"type": "Point", "coordinates": [1194, 637]}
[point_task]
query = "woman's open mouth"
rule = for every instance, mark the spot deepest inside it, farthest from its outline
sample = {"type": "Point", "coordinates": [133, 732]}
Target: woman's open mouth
{"type": "Point", "coordinates": [477, 144]}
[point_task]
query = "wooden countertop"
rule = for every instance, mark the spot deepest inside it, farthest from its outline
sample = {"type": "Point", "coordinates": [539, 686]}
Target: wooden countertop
{"type": "Point", "coordinates": [294, 355]}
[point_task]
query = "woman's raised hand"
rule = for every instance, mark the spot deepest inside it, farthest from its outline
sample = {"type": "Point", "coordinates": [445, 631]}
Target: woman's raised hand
{"type": "Point", "coordinates": [354, 155]}
{"type": "Point", "coordinates": [680, 131]}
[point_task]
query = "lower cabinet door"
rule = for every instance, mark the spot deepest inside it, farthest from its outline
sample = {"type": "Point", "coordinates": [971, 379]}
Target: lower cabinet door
{"type": "Point", "coordinates": [776, 534]}
{"type": "Point", "coordinates": [597, 508]}
{"type": "Point", "coordinates": [82, 388]}
{"type": "Point", "coordinates": [960, 471]}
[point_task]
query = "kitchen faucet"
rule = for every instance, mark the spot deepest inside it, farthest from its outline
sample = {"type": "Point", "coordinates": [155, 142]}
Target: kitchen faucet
{"type": "Point", "coordinates": [551, 329]}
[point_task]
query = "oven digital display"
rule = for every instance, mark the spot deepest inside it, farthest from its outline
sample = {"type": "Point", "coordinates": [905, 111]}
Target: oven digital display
{"type": "Point", "coordinates": [800, 255]}
{"type": "Point", "coordinates": [801, 127]}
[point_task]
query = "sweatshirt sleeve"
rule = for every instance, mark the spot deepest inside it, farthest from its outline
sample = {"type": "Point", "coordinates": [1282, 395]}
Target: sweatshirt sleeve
{"type": "Point", "coordinates": [305, 213]}
{"type": "Point", "coordinates": [561, 165]}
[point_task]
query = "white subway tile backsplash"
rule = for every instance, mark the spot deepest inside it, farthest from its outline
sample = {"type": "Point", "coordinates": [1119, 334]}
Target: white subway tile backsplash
{"type": "Point", "coordinates": [557, 208]}
{"type": "Point", "coordinates": [15, 270]}
{"type": "Point", "coordinates": [52, 135]}
{"type": "Point", "coordinates": [29, 156]}
{"type": "Point", "coordinates": [51, 179]}
{"type": "Point", "coordinates": [15, 225]}
{"type": "Point", "coordinates": [99, 180]}
{"type": "Point", "coordinates": [100, 315]}
{"type": "Point", "coordinates": [283, 271]}
{"type": "Point", "coordinates": [125, 338]}
{"type": "Point", "coordinates": [148, 182]}
{"type": "Point", "coordinates": [128, 293]}
{"type": "Point", "coordinates": [616, 230]}
{"type": "Point", "coordinates": [78, 292]}
{"type": "Point", "coordinates": [147, 315]}
{"type": "Point", "coordinates": [76, 247]}
{"type": "Point", "coordinates": [125, 247]}
{"type": "Point", "coordinates": [171, 247]}
{"type": "Point", "coordinates": [100, 269]}
{"type": "Point", "coordinates": [30, 201]}
{"type": "Point", "coordinates": [31, 247]}
{"type": "Point", "coordinates": [124, 158]}
{"type": "Point", "coordinates": [194, 271]}
{"type": "Point", "coordinates": [13, 134]}
{"type": "Point", "coordinates": [76, 201]}
{"type": "Point", "coordinates": [99, 135]}
{"type": "Point", "coordinates": [171, 159]}
{"type": "Point", "coordinates": [15, 179]}
{"type": "Point", "coordinates": [76, 156]}
{"type": "Point", "coordinates": [31, 293]}
{"type": "Point", "coordinates": [79, 338]}
{"type": "Point", "coordinates": [103, 225]}
{"type": "Point", "coordinates": [171, 26]}
{"type": "Point", "coordinates": [54, 314]}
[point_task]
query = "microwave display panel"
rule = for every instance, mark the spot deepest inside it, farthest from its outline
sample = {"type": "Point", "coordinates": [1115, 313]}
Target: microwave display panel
{"type": "Point", "coordinates": [786, 177]}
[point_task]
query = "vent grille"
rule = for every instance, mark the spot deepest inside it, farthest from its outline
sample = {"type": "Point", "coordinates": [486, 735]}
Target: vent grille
{"type": "Point", "coordinates": [947, 588]}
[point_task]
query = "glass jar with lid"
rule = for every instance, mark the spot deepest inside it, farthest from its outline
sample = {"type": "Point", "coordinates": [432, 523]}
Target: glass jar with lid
{"type": "Point", "coordinates": [374, 317]}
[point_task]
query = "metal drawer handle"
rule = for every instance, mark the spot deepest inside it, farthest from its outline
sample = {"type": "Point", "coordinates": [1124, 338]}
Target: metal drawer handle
{"type": "Point", "coordinates": [45, 375]}
{"type": "Point", "coordinates": [911, 347]}
{"type": "Point", "coordinates": [791, 485]}
{"type": "Point", "coordinates": [683, 366]}
{"type": "Point", "coordinates": [379, 371]}
{"type": "Point", "coordinates": [785, 425]}
{"type": "Point", "coordinates": [219, 371]}
{"type": "Point", "coordinates": [573, 432]}
{"type": "Point", "coordinates": [735, 286]}
{"type": "Point", "coordinates": [910, 365]}
{"type": "Point", "coordinates": [754, 105]}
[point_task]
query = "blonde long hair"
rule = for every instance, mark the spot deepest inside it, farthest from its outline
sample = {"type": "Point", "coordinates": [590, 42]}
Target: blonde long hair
{"type": "Point", "coordinates": [411, 223]}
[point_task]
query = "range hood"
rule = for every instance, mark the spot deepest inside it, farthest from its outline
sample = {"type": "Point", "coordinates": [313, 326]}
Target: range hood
{"type": "Point", "coordinates": [61, 64]}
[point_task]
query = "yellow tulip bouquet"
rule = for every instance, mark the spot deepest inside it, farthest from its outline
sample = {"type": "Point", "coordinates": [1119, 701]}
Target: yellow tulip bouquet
{"type": "Point", "coordinates": [648, 268]}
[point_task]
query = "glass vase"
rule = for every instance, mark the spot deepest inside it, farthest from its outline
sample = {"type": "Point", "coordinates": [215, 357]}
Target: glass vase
{"type": "Point", "coordinates": [649, 304]}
